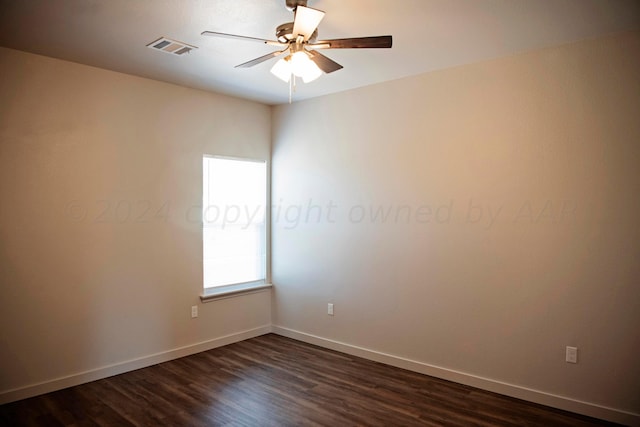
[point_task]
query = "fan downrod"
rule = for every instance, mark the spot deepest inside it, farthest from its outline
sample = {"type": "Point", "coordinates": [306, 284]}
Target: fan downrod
{"type": "Point", "coordinates": [292, 4]}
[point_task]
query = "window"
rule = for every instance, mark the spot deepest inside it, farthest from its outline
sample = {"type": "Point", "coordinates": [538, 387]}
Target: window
{"type": "Point", "coordinates": [234, 221]}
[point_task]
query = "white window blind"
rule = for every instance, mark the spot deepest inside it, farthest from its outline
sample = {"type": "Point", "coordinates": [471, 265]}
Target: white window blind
{"type": "Point", "coordinates": [234, 223]}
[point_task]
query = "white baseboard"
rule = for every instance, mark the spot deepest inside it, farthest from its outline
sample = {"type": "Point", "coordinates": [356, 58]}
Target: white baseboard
{"type": "Point", "coordinates": [519, 392]}
{"type": "Point", "coordinates": [126, 366]}
{"type": "Point", "coordinates": [536, 396]}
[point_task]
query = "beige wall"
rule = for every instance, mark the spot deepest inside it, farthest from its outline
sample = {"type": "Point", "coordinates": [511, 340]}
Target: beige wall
{"type": "Point", "coordinates": [100, 240]}
{"type": "Point", "coordinates": [513, 187]}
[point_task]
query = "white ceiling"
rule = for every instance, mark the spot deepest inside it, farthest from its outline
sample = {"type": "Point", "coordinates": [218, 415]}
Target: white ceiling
{"type": "Point", "coordinates": [427, 35]}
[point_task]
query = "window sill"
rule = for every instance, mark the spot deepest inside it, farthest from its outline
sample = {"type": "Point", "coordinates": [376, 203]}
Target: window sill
{"type": "Point", "coordinates": [230, 291]}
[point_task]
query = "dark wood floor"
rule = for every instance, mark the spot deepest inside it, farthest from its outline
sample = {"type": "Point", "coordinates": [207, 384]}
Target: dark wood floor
{"type": "Point", "coordinates": [276, 381]}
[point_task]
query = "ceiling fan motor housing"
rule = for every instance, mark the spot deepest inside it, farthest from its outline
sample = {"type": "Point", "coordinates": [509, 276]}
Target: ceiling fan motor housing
{"type": "Point", "coordinates": [284, 33]}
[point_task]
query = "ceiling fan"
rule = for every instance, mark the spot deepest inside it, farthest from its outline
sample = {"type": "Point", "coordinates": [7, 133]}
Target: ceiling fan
{"type": "Point", "coordinates": [298, 41]}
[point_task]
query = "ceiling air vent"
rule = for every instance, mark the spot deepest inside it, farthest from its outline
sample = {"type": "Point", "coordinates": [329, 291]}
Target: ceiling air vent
{"type": "Point", "coordinates": [171, 46]}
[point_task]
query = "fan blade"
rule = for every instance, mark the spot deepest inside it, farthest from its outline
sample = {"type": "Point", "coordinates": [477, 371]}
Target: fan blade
{"type": "Point", "coordinates": [325, 64]}
{"type": "Point", "coordinates": [306, 21]}
{"type": "Point", "coordinates": [234, 36]}
{"type": "Point", "coordinates": [353, 43]}
{"type": "Point", "coordinates": [262, 59]}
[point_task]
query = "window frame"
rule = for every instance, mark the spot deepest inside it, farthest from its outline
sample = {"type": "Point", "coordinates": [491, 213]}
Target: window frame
{"type": "Point", "coordinates": [237, 289]}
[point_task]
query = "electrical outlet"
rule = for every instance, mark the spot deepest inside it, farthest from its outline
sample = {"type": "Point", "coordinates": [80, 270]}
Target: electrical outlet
{"type": "Point", "coordinates": [194, 311]}
{"type": "Point", "coordinates": [330, 309]}
{"type": "Point", "coordinates": [571, 355]}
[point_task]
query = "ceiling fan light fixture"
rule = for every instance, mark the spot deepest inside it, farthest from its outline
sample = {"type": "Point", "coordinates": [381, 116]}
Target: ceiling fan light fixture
{"type": "Point", "coordinates": [282, 69]}
{"type": "Point", "coordinates": [298, 64]}
{"type": "Point", "coordinates": [311, 73]}
{"type": "Point", "coordinates": [302, 66]}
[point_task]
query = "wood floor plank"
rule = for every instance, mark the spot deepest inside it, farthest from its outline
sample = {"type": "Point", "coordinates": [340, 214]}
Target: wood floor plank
{"type": "Point", "coordinates": [276, 381]}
